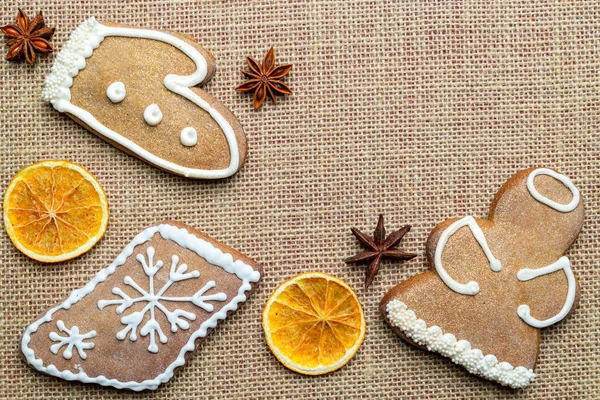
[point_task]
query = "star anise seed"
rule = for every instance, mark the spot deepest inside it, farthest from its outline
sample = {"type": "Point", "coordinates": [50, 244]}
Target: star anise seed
{"type": "Point", "coordinates": [265, 78]}
{"type": "Point", "coordinates": [378, 247]}
{"type": "Point", "coordinates": [27, 37]}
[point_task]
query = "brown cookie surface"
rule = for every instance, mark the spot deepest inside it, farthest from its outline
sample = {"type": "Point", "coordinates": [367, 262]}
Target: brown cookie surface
{"type": "Point", "coordinates": [136, 320]}
{"type": "Point", "coordinates": [137, 89]}
{"type": "Point", "coordinates": [495, 282]}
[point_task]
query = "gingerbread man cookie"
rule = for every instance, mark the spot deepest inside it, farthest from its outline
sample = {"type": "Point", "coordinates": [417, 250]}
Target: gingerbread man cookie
{"type": "Point", "coordinates": [495, 282]}
{"type": "Point", "coordinates": [137, 89]}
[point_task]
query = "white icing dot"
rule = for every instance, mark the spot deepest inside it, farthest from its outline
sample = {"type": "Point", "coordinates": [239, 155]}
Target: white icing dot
{"type": "Point", "coordinates": [188, 136]}
{"type": "Point", "coordinates": [153, 115]}
{"type": "Point", "coordinates": [116, 92]}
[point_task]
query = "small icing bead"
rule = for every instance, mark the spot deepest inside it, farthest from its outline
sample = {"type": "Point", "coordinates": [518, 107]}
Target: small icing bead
{"type": "Point", "coordinates": [116, 92]}
{"type": "Point", "coordinates": [449, 339]}
{"type": "Point", "coordinates": [153, 115]}
{"type": "Point", "coordinates": [188, 136]}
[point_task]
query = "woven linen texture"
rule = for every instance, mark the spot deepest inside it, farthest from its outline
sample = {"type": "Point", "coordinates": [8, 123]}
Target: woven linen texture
{"type": "Point", "coordinates": [419, 110]}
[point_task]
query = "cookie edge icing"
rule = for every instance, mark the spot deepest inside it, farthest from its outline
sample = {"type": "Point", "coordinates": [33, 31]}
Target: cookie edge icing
{"type": "Point", "coordinates": [459, 351]}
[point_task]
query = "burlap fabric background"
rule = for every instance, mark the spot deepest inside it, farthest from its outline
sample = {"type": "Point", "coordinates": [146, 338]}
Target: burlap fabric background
{"type": "Point", "coordinates": [418, 110]}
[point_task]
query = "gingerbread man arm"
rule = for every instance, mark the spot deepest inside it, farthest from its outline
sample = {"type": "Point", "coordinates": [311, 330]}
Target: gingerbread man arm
{"type": "Point", "coordinates": [527, 274]}
{"type": "Point", "coordinates": [459, 251]}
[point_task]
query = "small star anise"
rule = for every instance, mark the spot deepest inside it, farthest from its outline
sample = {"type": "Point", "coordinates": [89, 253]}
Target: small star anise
{"type": "Point", "coordinates": [265, 78]}
{"type": "Point", "coordinates": [378, 247]}
{"type": "Point", "coordinates": [27, 37]}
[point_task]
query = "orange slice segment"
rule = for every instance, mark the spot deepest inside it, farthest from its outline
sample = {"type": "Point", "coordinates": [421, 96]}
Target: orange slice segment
{"type": "Point", "coordinates": [314, 323]}
{"type": "Point", "coordinates": [55, 211]}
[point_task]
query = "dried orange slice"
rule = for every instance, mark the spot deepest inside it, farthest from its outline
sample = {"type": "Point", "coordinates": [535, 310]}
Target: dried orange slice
{"type": "Point", "coordinates": [55, 211]}
{"type": "Point", "coordinates": [314, 323]}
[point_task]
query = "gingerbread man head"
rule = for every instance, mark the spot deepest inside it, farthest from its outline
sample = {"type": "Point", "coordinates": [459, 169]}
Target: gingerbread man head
{"type": "Point", "coordinates": [495, 282]}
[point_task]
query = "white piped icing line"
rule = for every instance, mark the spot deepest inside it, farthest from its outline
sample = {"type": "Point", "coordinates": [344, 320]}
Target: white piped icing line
{"type": "Point", "coordinates": [527, 274]}
{"type": "Point", "coordinates": [551, 203]}
{"type": "Point", "coordinates": [184, 239]}
{"type": "Point", "coordinates": [73, 338]}
{"type": "Point", "coordinates": [71, 60]}
{"type": "Point", "coordinates": [470, 288]}
{"type": "Point", "coordinates": [188, 136]}
{"type": "Point", "coordinates": [459, 351]}
{"type": "Point", "coordinates": [153, 115]}
{"type": "Point", "coordinates": [116, 92]}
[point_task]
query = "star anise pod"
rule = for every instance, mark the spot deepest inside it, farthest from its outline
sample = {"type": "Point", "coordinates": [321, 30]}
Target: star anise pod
{"type": "Point", "coordinates": [27, 37]}
{"type": "Point", "coordinates": [265, 78]}
{"type": "Point", "coordinates": [378, 247]}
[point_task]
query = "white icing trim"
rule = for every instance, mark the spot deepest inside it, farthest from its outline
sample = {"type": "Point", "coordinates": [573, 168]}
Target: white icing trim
{"type": "Point", "coordinates": [116, 92]}
{"type": "Point", "coordinates": [527, 274]}
{"type": "Point", "coordinates": [188, 136]}
{"type": "Point", "coordinates": [153, 115]}
{"type": "Point", "coordinates": [460, 352]}
{"type": "Point", "coordinates": [184, 239]}
{"type": "Point", "coordinates": [471, 288]}
{"type": "Point", "coordinates": [550, 203]}
{"type": "Point", "coordinates": [71, 60]}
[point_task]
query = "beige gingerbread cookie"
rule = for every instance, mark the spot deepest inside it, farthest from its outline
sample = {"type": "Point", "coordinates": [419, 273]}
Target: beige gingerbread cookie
{"type": "Point", "coordinates": [495, 282]}
{"type": "Point", "coordinates": [137, 89]}
{"type": "Point", "coordinates": [139, 318]}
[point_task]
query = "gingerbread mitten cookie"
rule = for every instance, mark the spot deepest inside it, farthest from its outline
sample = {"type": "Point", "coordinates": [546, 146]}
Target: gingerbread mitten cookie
{"type": "Point", "coordinates": [495, 282]}
{"type": "Point", "coordinates": [137, 320]}
{"type": "Point", "coordinates": [136, 88]}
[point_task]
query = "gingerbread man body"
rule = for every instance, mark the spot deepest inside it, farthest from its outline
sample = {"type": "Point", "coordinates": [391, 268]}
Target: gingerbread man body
{"type": "Point", "coordinates": [494, 283]}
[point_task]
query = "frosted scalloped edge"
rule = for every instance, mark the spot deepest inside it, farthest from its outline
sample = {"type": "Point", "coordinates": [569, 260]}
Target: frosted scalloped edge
{"type": "Point", "coordinates": [184, 239]}
{"type": "Point", "coordinates": [460, 352]}
{"type": "Point", "coordinates": [70, 60]}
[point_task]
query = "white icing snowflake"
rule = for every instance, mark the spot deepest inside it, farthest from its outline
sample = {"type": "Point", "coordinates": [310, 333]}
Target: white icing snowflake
{"type": "Point", "coordinates": [155, 301]}
{"type": "Point", "coordinates": [73, 338]}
